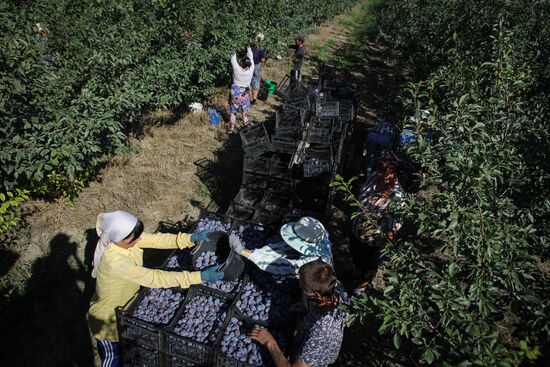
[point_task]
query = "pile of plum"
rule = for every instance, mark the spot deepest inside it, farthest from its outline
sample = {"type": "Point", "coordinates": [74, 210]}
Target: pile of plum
{"type": "Point", "coordinates": [202, 319]}
{"type": "Point", "coordinates": [159, 306]}
{"type": "Point", "coordinates": [209, 258]}
{"type": "Point", "coordinates": [266, 301]}
{"type": "Point", "coordinates": [212, 225]}
{"type": "Point", "coordinates": [252, 237]}
{"type": "Point", "coordinates": [235, 343]}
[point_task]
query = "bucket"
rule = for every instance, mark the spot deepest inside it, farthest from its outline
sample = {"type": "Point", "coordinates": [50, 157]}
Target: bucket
{"type": "Point", "coordinates": [263, 94]}
{"type": "Point", "coordinates": [232, 264]}
{"type": "Point", "coordinates": [215, 116]}
{"type": "Point", "coordinates": [272, 87]}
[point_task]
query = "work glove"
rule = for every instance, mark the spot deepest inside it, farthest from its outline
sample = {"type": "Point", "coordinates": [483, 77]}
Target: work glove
{"type": "Point", "coordinates": [212, 274]}
{"type": "Point", "coordinates": [199, 236]}
{"type": "Point", "coordinates": [236, 244]}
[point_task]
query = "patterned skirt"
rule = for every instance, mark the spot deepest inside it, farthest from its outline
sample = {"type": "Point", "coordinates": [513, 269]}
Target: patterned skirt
{"type": "Point", "coordinates": [239, 100]}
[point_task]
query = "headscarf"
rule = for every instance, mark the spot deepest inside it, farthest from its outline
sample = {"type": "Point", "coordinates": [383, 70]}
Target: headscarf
{"type": "Point", "coordinates": [111, 227]}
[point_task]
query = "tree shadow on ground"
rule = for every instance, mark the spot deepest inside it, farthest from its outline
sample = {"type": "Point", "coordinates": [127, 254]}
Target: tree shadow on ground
{"type": "Point", "coordinates": [46, 325]}
{"type": "Point", "coordinates": [221, 176]}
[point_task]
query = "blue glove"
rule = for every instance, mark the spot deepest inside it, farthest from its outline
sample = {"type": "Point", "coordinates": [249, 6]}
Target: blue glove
{"type": "Point", "coordinates": [212, 274]}
{"type": "Point", "coordinates": [199, 236]}
{"type": "Point", "coordinates": [236, 244]}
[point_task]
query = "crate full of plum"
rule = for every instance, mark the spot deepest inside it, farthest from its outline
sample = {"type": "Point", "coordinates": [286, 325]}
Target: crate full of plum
{"type": "Point", "coordinates": [152, 311]}
{"type": "Point", "coordinates": [198, 325]}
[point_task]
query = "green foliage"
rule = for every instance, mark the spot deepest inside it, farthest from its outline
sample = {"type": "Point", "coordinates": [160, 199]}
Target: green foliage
{"type": "Point", "coordinates": [9, 201]}
{"type": "Point", "coordinates": [462, 287]}
{"type": "Point", "coordinates": [67, 102]}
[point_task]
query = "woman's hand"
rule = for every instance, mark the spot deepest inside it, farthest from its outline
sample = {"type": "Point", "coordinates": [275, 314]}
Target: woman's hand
{"type": "Point", "coordinates": [199, 236]}
{"type": "Point", "coordinates": [262, 336]}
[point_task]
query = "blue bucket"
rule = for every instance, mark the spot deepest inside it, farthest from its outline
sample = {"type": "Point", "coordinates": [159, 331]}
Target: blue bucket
{"type": "Point", "coordinates": [215, 116]}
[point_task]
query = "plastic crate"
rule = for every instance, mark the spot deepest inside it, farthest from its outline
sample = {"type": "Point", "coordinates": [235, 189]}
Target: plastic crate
{"type": "Point", "coordinates": [282, 145]}
{"type": "Point", "coordinates": [135, 330]}
{"type": "Point", "coordinates": [347, 111]}
{"type": "Point", "coordinates": [312, 193]}
{"type": "Point", "coordinates": [178, 260]}
{"type": "Point", "coordinates": [252, 179]}
{"type": "Point", "coordinates": [322, 122]}
{"type": "Point", "coordinates": [280, 166]}
{"type": "Point", "coordinates": [320, 135]}
{"type": "Point", "coordinates": [239, 212]}
{"type": "Point", "coordinates": [187, 348]}
{"type": "Point", "coordinates": [264, 217]}
{"type": "Point", "coordinates": [224, 360]}
{"type": "Point", "coordinates": [290, 134]}
{"type": "Point", "coordinates": [255, 140]}
{"type": "Point", "coordinates": [135, 354]}
{"type": "Point", "coordinates": [317, 160]}
{"type": "Point", "coordinates": [177, 361]}
{"type": "Point", "coordinates": [327, 72]}
{"type": "Point", "coordinates": [257, 164]}
{"type": "Point", "coordinates": [289, 117]}
{"type": "Point", "coordinates": [327, 109]}
{"type": "Point", "coordinates": [275, 202]}
{"type": "Point", "coordinates": [249, 196]}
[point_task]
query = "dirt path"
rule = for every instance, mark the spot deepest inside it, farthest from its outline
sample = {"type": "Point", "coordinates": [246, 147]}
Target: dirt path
{"type": "Point", "coordinates": [182, 165]}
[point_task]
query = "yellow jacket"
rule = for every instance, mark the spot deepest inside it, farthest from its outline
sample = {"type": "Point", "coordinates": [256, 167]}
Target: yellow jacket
{"type": "Point", "coordinates": [120, 274]}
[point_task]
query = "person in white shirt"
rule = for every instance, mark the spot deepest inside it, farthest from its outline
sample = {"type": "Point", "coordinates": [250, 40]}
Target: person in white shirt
{"type": "Point", "coordinates": [239, 99]}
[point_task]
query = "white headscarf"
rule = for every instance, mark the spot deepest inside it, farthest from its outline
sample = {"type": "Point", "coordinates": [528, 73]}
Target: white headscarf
{"type": "Point", "coordinates": [111, 227]}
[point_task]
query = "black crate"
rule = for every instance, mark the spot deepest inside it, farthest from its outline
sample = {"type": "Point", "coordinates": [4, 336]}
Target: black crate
{"type": "Point", "coordinates": [280, 166]}
{"type": "Point", "coordinates": [327, 72]}
{"type": "Point", "coordinates": [179, 260]}
{"type": "Point", "coordinates": [255, 140]}
{"type": "Point", "coordinates": [187, 348]}
{"type": "Point", "coordinates": [282, 145]}
{"type": "Point", "coordinates": [322, 122]}
{"type": "Point", "coordinates": [312, 193]}
{"type": "Point", "coordinates": [256, 164]}
{"type": "Point", "coordinates": [327, 109]}
{"type": "Point", "coordinates": [253, 133]}
{"type": "Point", "coordinates": [135, 330]}
{"type": "Point", "coordinates": [239, 212]}
{"type": "Point", "coordinates": [320, 135]}
{"type": "Point", "coordinates": [289, 118]}
{"type": "Point", "coordinates": [288, 136]}
{"type": "Point", "coordinates": [267, 218]}
{"type": "Point", "coordinates": [251, 179]}
{"type": "Point", "coordinates": [178, 361]}
{"type": "Point", "coordinates": [224, 360]}
{"type": "Point", "coordinates": [249, 196]}
{"type": "Point", "coordinates": [275, 202]}
{"type": "Point", "coordinates": [136, 354]}
{"type": "Point", "coordinates": [317, 160]}
{"type": "Point", "coordinates": [347, 111]}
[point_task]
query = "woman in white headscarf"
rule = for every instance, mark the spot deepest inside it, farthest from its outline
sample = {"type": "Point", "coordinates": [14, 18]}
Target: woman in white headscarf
{"type": "Point", "coordinates": [118, 267]}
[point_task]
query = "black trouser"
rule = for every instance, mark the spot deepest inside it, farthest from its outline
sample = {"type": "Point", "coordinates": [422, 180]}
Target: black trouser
{"type": "Point", "coordinates": [363, 255]}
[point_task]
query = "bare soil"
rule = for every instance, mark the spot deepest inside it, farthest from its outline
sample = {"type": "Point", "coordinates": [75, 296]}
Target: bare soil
{"type": "Point", "coordinates": [182, 165]}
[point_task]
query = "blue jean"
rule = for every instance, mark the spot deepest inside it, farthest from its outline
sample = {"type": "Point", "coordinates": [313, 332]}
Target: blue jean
{"type": "Point", "coordinates": [109, 352]}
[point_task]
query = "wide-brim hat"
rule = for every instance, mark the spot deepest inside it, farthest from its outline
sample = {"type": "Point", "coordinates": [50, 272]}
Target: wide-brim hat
{"type": "Point", "coordinates": [307, 236]}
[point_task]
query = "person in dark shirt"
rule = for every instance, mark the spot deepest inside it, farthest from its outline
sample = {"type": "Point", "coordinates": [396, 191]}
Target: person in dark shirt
{"type": "Point", "coordinates": [299, 54]}
{"type": "Point", "coordinates": [259, 62]}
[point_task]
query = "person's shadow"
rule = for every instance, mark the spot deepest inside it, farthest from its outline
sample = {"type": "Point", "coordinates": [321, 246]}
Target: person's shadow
{"type": "Point", "coordinates": [48, 322]}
